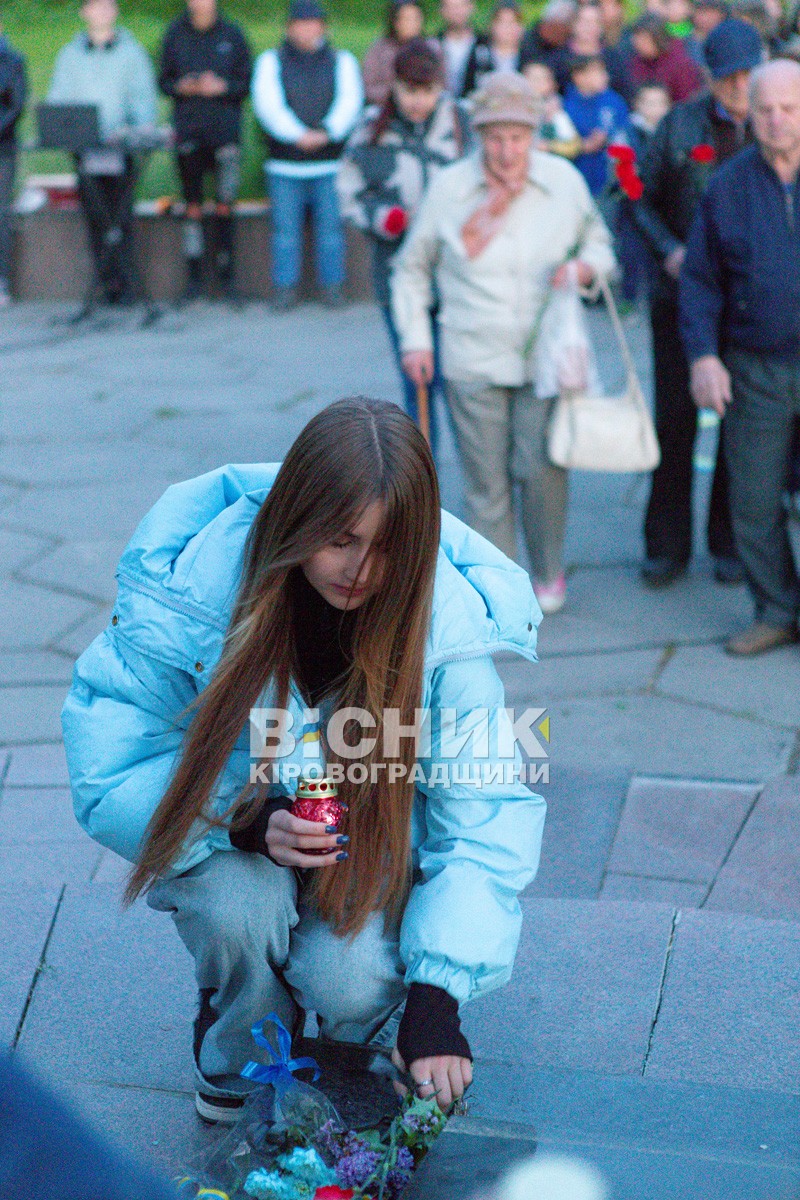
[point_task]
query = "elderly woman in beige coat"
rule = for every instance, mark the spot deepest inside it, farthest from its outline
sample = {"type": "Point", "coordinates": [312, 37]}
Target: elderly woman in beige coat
{"type": "Point", "coordinates": [492, 236]}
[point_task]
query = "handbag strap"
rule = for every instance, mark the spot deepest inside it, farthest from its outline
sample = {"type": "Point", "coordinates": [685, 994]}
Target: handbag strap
{"type": "Point", "coordinates": [627, 357]}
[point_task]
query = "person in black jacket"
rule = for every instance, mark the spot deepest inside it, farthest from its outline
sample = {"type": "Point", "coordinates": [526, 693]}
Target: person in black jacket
{"type": "Point", "coordinates": [740, 322]}
{"type": "Point", "coordinates": [13, 91]}
{"type": "Point", "coordinates": [688, 145]}
{"type": "Point", "coordinates": [205, 67]}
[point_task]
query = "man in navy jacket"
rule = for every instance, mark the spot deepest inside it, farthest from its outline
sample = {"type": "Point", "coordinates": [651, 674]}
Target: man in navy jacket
{"type": "Point", "coordinates": [740, 322]}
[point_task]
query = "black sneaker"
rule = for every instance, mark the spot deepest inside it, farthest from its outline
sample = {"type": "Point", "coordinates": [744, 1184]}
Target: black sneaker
{"type": "Point", "coordinates": [218, 1110]}
{"type": "Point", "coordinates": [728, 571]}
{"type": "Point", "coordinates": [660, 572]}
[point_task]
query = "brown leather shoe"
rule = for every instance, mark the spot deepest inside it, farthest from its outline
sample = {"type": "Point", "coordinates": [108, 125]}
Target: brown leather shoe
{"type": "Point", "coordinates": [761, 637]}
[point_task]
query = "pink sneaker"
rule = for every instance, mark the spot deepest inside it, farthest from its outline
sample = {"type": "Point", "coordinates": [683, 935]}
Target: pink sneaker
{"type": "Point", "coordinates": [551, 596]}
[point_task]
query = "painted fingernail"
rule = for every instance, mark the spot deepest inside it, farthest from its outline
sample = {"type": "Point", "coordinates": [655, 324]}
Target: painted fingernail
{"type": "Point", "coordinates": [331, 828]}
{"type": "Point", "coordinates": [340, 841]}
{"type": "Point", "coordinates": [341, 857]}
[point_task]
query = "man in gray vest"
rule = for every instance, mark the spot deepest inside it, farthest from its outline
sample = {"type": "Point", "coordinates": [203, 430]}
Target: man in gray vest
{"type": "Point", "coordinates": [307, 97]}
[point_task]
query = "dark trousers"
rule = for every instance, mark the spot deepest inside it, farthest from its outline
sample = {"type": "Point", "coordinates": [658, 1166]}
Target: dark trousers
{"type": "Point", "coordinates": [758, 444]}
{"type": "Point", "coordinates": [7, 164]}
{"type": "Point", "coordinates": [668, 523]}
{"type": "Point", "coordinates": [108, 211]}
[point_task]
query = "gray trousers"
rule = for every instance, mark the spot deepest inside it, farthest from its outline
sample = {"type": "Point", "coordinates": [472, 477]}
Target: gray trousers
{"type": "Point", "coordinates": [7, 165]}
{"type": "Point", "coordinates": [262, 951]}
{"type": "Point", "coordinates": [758, 441]}
{"type": "Point", "coordinates": [502, 438]}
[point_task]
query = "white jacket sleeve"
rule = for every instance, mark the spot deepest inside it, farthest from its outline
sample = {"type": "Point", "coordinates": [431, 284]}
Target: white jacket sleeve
{"type": "Point", "coordinates": [348, 98]}
{"type": "Point", "coordinates": [413, 275]}
{"type": "Point", "coordinates": [269, 100]}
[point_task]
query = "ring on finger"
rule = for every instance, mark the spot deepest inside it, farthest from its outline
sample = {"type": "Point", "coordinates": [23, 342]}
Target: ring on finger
{"type": "Point", "coordinates": [425, 1083]}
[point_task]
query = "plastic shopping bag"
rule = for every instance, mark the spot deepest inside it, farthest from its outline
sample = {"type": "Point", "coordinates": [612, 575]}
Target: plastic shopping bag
{"type": "Point", "coordinates": [279, 1115]}
{"type": "Point", "coordinates": [564, 361]}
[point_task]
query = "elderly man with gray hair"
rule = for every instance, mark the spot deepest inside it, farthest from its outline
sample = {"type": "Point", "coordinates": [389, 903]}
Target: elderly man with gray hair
{"type": "Point", "coordinates": [740, 321]}
{"type": "Point", "coordinates": [491, 237]}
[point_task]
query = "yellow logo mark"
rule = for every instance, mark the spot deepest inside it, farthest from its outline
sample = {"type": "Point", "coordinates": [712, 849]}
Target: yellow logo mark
{"type": "Point", "coordinates": [544, 728]}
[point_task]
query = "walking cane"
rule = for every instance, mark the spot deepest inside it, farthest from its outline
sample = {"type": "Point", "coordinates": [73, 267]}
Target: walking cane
{"type": "Point", "coordinates": [423, 411]}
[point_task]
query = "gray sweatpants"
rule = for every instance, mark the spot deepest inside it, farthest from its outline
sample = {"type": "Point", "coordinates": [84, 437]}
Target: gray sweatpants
{"type": "Point", "coordinates": [759, 428]}
{"type": "Point", "coordinates": [261, 952]}
{"type": "Point", "coordinates": [502, 438]}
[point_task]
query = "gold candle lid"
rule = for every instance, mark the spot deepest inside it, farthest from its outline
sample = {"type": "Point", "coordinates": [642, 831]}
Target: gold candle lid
{"type": "Point", "coordinates": [321, 787]}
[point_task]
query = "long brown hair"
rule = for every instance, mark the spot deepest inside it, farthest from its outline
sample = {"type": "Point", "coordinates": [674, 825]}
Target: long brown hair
{"type": "Point", "coordinates": [352, 453]}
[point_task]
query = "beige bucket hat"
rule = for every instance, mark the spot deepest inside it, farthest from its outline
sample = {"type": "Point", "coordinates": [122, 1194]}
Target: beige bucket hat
{"type": "Point", "coordinates": [506, 96]}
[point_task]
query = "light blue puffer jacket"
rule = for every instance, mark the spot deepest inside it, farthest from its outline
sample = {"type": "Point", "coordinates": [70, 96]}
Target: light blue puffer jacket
{"type": "Point", "coordinates": [474, 850]}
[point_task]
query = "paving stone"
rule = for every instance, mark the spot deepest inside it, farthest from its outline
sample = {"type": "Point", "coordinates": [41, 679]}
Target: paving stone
{"type": "Point", "coordinates": [38, 766]}
{"type": "Point", "coordinates": [583, 808]}
{"type": "Point", "coordinates": [30, 713]}
{"type": "Point", "coordinates": [35, 666]}
{"type": "Point", "coordinates": [112, 869]}
{"type": "Point", "coordinates": [766, 688]}
{"type": "Point", "coordinates": [158, 1127]}
{"type": "Point", "coordinates": [659, 891]}
{"type": "Point", "coordinates": [34, 617]}
{"type": "Point", "coordinates": [85, 568]}
{"type": "Point", "coordinates": [762, 874]}
{"type": "Point", "coordinates": [17, 549]}
{"type": "Point", "coordinates": [731, 1004]}
{"type": "Point", "coordinates": [51, 420]}
{"type": "Point", "coordinates": [125, 982]}
{"type": "Point", "coordinates": [645, 1174]}
{"type": "Point", "coordinates": [462, 1159]}
{"type": "Point", "coordinates": [679, 829]}
{"type": "Point", "coordinates": [81, 635]}
{"type": "Point", "coordinates": [583, 992]}
{"type": "Point", "coordinates": [41, 864]}
{"type": "Point", "coordinates": [565, 675]}
{"type": "Point", "coordinates": [746, 1125]}
{"type": "Point", "coordinates": [57, 463]}
{"type": "Point", "coordinates": [611, 608]}
{"type": "Point", "coordinates": [653, 735]}
{"type": "Point", "coordinates": [38, 815]}
{"type": "Point", "coordinates": [90, 511]}
{"type": "Point", "coordinates": [26, 914]}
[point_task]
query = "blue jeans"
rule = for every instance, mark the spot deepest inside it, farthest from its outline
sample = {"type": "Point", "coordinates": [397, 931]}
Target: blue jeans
{"type": "Point", "coordinates": [260, 949]}
{"type": "Point", "coordinates": [290, 198]}
{"type": "Point", "coordinates": [409, 388]}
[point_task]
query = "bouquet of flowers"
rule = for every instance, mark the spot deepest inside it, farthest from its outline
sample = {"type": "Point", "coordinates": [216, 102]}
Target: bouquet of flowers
{"type": "Point", "coordinates": [290, 1144]}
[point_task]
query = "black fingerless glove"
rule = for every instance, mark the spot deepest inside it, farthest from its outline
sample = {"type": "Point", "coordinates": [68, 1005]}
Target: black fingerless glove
{"type": "Point", "coordinates": [252, 838]}
{"type": "Point", "coordinates": [430, 1026]}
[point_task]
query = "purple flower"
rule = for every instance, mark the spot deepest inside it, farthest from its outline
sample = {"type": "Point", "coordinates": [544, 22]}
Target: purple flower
{"type": "Point", "coordinates": [400, 1174]}
{"type": "Point", "coordinates": [356, 1165]}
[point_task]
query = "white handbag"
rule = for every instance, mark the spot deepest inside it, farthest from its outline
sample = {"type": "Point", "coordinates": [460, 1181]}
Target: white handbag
{"type": "Point", "coordinates": [605, 433]}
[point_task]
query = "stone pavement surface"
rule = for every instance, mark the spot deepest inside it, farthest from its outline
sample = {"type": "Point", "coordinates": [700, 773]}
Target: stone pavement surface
{"type": "Point", "coordinates": [650, 1025]}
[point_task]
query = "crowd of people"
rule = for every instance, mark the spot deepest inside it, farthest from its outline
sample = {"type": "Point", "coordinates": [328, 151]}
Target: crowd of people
{"type": "Point", "coordinates": [461, 263]}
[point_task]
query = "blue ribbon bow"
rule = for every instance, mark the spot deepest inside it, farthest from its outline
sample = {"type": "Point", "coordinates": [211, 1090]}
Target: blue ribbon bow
{"type": "Point", "coordinates": [279, 1072]}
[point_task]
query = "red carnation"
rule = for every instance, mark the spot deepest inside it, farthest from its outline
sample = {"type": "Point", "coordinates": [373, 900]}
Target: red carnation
{"type": "Point", "coordinates": [703, 153]}
{"type": "Point", "coordinates": [629, 181]}
{"type": "Point", "coordinates": [333, 1192]}
{"type": "Point", "coordinates": [395, 221]}
{"type": "Point", "coordinates": [621, 153]}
